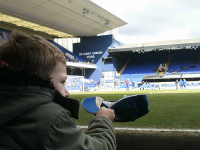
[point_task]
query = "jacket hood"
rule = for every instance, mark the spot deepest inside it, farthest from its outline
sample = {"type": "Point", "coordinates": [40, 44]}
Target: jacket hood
{"type": "Point", "coordinates": [11, 76]}
{"type": "Point", "coordinates": [14, 101]}
{"type": "Point", "coordinates": [21, 91]}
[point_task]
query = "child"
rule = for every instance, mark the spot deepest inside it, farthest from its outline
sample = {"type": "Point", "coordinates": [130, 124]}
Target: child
{"type": "Point", "coordinates": [35, 111]}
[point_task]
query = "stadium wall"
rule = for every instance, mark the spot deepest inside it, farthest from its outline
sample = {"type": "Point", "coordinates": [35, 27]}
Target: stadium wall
{"type": "Point", "coordinates": [94, 48]}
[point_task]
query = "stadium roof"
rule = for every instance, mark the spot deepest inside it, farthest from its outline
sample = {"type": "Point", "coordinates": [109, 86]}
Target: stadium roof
{"type": "Point", "coordinates": [158, 46]}
{"type": "Point", "coordinates": [60, 18]}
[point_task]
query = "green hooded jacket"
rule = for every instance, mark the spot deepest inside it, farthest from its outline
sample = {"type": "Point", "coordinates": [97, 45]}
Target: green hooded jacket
{"type": "Point", "coordinates": [31, 118]}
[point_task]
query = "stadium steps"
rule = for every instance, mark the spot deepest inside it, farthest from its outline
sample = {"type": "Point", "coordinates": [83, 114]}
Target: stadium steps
{"type": "Point", "coordinates": [157, 68]}
{"type": "Point", "coordinates": [168, 62]}
{"type": "Point", "coordinates": [124, 67]}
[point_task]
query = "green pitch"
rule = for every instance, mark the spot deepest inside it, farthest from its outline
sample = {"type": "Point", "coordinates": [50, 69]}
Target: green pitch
{"type": "Point", "coordinates": [171, 109]}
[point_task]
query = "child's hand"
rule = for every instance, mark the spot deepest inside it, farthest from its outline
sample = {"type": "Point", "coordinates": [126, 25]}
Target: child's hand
{"type": "Point", "coordinates": [109, 113]}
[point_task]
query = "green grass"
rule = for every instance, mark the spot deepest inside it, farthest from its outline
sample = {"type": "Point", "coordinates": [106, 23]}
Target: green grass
{"type": "Point", "coordinates": [178, 109]}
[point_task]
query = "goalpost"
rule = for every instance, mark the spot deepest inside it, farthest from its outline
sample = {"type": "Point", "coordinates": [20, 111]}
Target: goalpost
{"type": "Point", "coordinates": [75, 83]}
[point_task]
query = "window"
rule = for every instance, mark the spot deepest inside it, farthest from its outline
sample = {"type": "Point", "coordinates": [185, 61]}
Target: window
{"type": "Point", "coordinates": [67, 42]}
{"type": "Point", "coordinates": [108, 74]}
{"type": "Point", "coordinates": [107, 59]}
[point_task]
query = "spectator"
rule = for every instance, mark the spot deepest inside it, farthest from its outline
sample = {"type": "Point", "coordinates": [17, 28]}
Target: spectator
{"type": "Point", "coordinates": [118, 75]}
{"type": "Point", "coordinates": [127, 84]}
{"type": "Point", "coordinates": [181, 84]}
{"type": "Point", "coordinates": [176, 84]}
{"type": "Point", "coordinates": [91, 80]}
{"type": "Point", "coordinates": [35, 104]}
{"type": "Point", "coordinates": [184, 83]}
{"type": "Point", "coordinates": [76, 59]}
{"type": "Point", "coordinates": [160, 86]}
{"type": "Point", "coordinates": [96, 87]}
{"type": "Point", "coordinates": [102, 75]}
{"type": "Point", "coordinates": [133, 84]}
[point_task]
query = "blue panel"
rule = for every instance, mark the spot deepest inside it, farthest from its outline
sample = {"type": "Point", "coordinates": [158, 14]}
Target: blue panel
{"type": "Point", "coordinates": [94, 48]}
{"type": "Point", "coordinates": [4, 31]}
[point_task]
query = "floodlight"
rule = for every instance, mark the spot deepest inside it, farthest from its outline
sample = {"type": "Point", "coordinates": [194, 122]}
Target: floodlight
{"type": "Point", "coordinates": [85, 11]}
{"type": "Point", "coordinates": [107, 22]}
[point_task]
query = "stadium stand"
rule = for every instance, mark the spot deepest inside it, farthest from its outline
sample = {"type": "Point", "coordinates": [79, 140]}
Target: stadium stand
{"type": "Point", "coordinates": [90, 85]}
{"type": "Point", "coordinates": [188, 63]}
{"type": "Point", "coordinates": [74, 84]}
{"type": "Point", "coordinates": [64, 50]}
{"type": "Point", "coordinates": [144, 66]}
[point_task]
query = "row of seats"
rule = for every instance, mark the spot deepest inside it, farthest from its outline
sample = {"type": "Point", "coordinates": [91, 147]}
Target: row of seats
{"type": "Point", "coordinates": [166, 85]}
{"type": "Point", "coordinates": [90, 85]}
{"type": "Point", "coordinates": [184, 62]}
{"type": "Point", "coordinates": [143, 64]}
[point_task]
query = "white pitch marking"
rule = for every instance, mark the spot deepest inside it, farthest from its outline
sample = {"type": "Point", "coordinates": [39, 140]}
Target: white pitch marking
{"type": "Point", "coordinates": [152, 129]}
{"type": "Point", "coordinates": [161, 92]}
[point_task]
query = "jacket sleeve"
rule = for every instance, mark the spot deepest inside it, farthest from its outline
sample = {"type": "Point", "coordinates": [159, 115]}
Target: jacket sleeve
{"type": "Point", "coordinates": [65, 135]}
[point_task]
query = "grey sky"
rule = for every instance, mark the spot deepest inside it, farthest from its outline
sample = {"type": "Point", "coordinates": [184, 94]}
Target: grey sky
{"type": "Point", "coordinates": [155, 20]}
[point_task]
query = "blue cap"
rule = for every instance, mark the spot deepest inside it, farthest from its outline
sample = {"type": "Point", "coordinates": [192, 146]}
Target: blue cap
{"type": "Point", "coordinates": [126, 109]}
